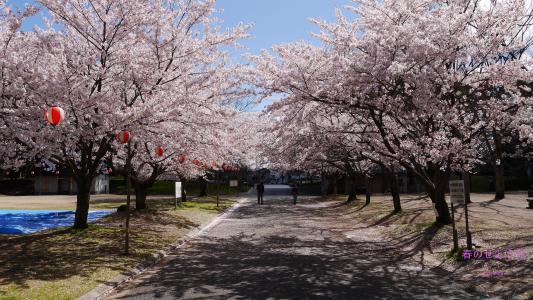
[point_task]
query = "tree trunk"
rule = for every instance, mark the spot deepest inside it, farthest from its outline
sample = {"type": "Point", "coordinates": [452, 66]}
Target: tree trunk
{"type": "Point", "coordinates": [352, 196]}
{"type": "Point", "coordinates": [466, 180]}
{"type": "Point", "coordinates": [324, 184]}
{"type": "Point", "coordinates": [438, 198]}
{"type": "Point", "coordinates": [368, 189]}
{"type": "Point", "coordinates": [334, 182]}
{"type": "Point", "coordinates": [141, 185]}
{"type": "Point", "coordinates": [85, 175]}
{"type": "Point", "coordinates": [140, 195]}
{"type": "Point", "coordinates": [395, 191]}
{"type": "Point", "coordinates": [203, 190]}
{"type": "Point", "coordinates": [443, 213]}
{"type": "Point", "coordinates": [499, 182]}
{"type": "Point", "coordinates": [82, 204]}
{"type": "Point", "coordinates": [183, 191]}
{"type": "Point", "coordinates": [499, 178]}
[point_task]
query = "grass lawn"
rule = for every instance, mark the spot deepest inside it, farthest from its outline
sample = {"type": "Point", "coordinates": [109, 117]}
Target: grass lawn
{"type": "Point", "coordinates": [495, 225]}
{"type": "Point", "coordinates": [65, 263]}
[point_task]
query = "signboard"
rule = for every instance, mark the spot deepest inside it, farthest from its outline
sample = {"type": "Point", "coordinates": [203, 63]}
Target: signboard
{"type": "Point", "coordinates": [457, 191]}
{"type": "Point", "coordinates": [233, 183]}
{"type": "Point", "coordinates": [178, 189]}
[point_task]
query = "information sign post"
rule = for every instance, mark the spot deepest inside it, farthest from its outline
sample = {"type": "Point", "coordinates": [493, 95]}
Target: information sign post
{"type": "Point", "coordinates": [457, 196]}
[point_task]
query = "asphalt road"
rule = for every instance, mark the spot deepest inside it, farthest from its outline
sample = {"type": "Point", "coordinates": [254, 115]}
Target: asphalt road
{"type": "Point", "coordinates": [285, 251]}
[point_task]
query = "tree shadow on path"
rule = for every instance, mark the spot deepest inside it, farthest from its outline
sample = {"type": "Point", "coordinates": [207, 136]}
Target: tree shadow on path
{"type": "Point", "coordinates": [288, 261]}
{"type": "Point", "coordinates": [285, 268]}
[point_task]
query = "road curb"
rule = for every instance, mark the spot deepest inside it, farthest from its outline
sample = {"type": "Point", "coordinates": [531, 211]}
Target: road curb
{"type": "Point", "coordinates": [106, 288]}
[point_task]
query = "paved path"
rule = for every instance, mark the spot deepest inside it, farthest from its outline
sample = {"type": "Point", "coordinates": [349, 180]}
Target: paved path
{"type": "Point", "coordinates": [282, 251]}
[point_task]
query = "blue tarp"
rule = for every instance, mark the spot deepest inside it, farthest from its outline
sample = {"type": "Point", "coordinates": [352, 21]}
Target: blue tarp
{"type": "Point", "coordinates": [29, 221]}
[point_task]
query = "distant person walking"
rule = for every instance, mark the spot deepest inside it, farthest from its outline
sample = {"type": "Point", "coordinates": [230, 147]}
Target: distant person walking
{"type": "Point", "coordinates": [295, 194]}
{"type": "Point", "coordinates": [260, 191]}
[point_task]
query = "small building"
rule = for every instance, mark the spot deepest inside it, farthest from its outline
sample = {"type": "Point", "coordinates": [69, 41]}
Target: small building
{"type": "Point", "coordinates": [55, 184]}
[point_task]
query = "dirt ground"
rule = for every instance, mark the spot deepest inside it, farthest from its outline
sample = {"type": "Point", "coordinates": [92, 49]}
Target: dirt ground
{"type": "Point", "coordinates": [503, 227]}
{"type": "Point", "coordinates": [57, 202]}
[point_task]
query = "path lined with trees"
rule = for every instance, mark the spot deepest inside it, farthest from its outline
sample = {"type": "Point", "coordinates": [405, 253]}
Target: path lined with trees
{"type": "Point", "coordinates": [147, 89]}
{"type": "Point", "coordinates": [279, 250]}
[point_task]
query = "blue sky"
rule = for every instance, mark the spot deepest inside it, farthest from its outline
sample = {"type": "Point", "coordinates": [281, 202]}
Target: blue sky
{"type": "Point", "coordinates": [275, 21]}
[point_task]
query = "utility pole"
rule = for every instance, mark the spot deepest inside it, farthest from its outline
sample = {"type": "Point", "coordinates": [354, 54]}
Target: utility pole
{"type": "Point", "coordinates": [41, 179]}
{"type": "Point", "coordinates": [454, 231]}
{"type": "Point", "coordinates": [218, 185]}
{"type": "Point", "coordinates": [466, 178]}
{"type": "Point", "coordinates": [128, 199]}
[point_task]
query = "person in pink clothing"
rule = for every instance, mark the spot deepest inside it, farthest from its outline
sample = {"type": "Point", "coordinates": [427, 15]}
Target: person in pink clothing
{"type": "Point", "coordinates": [294, 193]}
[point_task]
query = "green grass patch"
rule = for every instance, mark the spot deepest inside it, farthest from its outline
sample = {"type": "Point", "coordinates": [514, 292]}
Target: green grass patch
{"type": "Point", "coordinates": [456, 255]}
{"type": "Point", "coordinates": [64, 263]}
{"type": "Point", "coordinates": [208, 203]}
{"type": "Point", "coordinates": [162, 188]}
{"type": "Point", "coordinates": [16, 187]}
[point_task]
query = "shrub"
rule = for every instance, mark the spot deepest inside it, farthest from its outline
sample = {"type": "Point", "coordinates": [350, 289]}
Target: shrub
{"type": "Point", "coordinates": [16, 187]}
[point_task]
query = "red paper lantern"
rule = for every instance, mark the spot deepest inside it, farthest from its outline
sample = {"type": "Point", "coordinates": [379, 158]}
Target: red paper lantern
{"type": "Point", "coordinates": [123, 136]}
{"type": "Point", "coordinates": [159, 151]}
{"type": "Point", "coordinates": [206, 165]}
{"type": "Point", "coordinates": [182, 158]}
{"type": "Point", "coordinates": [196, 162]}
{"type": "Point", "coordinates": [54, 115]}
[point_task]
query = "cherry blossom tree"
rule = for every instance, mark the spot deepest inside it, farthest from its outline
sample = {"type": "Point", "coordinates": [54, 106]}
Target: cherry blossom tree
{"type": "Point", "coordinates": [501, 135]}
{"type": "Point", "coordinates": [114, 65]}
{"type": "Point", "coordinates": [207, 137]}
{"type": "Point", "coordinates": [10, 42]}
{"type": "Point", "coordinates": [414, 73]}
{"type": "Point", "coordinates": [313, 137]}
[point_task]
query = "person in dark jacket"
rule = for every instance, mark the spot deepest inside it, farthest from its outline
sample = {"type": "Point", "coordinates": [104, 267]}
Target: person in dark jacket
{"type": "Point", "coordinates": [260, 191]}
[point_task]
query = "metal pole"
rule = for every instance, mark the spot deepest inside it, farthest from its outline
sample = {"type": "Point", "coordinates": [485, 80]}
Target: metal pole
{"type": "Point", "coordinates": [455, 238]}
{"type": "Point", "coordinates": [128, 200]}
{"type": "Point", "coordinates": [41, 179]}
{"type": "Point", "coordinates": [218, 184]}
{"type": "Point", "coordinates": [466, 179]}
{"type": "Point", "coordinates": [175, 192]}
{"type": "Point", "coordinates": [183, 191]}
